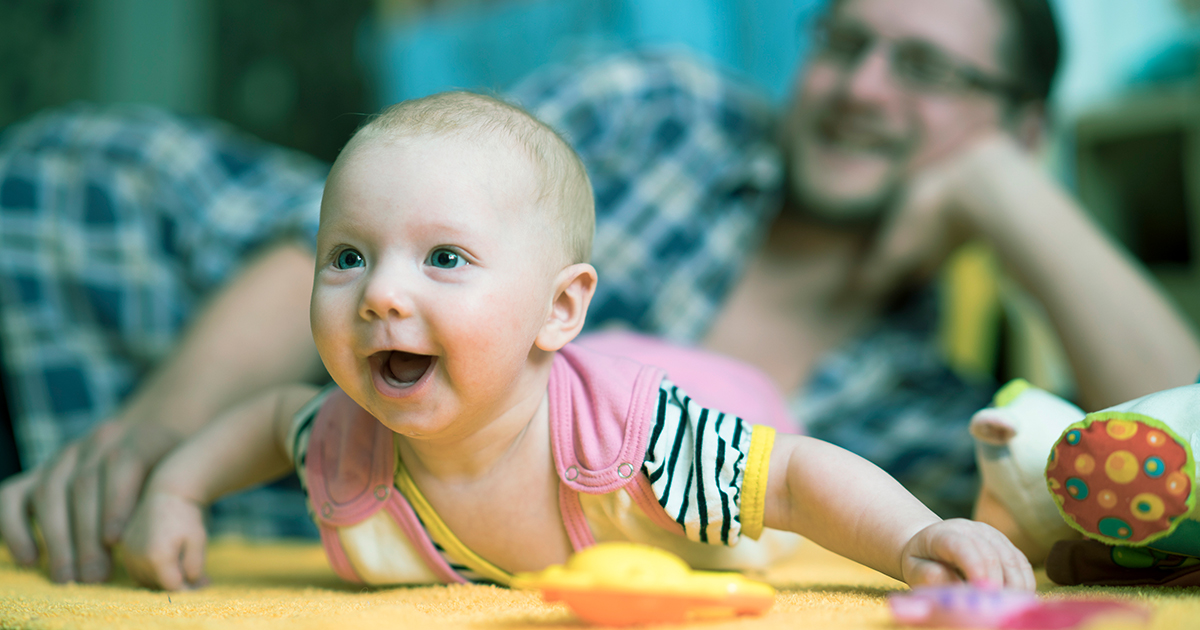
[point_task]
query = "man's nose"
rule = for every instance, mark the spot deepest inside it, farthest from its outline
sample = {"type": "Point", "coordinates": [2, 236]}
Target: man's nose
{"type": "Point", "coordinates": [388, 295]}
{"type": "Point", "coordinates": [870, 80]}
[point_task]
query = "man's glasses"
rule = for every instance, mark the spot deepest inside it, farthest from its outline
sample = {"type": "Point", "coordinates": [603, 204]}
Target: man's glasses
{"type": "Point", "coordinates": [918, 65]}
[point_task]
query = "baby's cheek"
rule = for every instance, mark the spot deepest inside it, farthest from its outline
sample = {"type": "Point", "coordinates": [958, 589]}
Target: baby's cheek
{"type": "Point", "coordinates": [491, 343]}
{"type": "Point", "coordinates": [333, 343]}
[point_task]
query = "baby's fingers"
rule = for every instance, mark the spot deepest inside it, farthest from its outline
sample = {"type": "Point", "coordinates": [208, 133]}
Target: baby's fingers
{"type": "Point", "coordinates": [980, 555]}
{"type": "Point", "coordinates": [159, 567]}
{"type": "Point", "coordinates": [992, 560]}
{"type": "Point", "coordinates": [164, 543]}
{"type": "Point", "coordinates": [977, 561]}
{"type": "Point", "coordinates": [192, 562]}
{"type": "Point", "coordinates": [922, 572]}
{"type": "Point", "coordinates": [1018, 572]}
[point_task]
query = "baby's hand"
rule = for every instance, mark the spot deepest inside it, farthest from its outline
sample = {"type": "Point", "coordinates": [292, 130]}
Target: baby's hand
{"type": "Point", "coordinates": [164, 543]}
{"type": "Point", "coordinates": [957, 550]}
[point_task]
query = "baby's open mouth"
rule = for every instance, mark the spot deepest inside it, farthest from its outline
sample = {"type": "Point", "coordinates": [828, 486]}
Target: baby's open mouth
{"type": "Point", "coordinates": [403, 369]}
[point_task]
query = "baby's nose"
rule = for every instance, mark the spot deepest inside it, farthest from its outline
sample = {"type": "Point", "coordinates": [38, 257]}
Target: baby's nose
{"type": "Point", "coordinates": [386, 298]}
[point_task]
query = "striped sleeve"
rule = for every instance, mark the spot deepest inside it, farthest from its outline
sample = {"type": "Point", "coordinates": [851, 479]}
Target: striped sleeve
{"type": "Point", "coordinates": [301, 430]}
{"type": "Point", "coordinates": [696, 462]}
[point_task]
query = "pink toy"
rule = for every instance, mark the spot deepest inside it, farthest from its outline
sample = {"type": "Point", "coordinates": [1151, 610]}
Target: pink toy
{"type": "Point", "coordinates": [964, 606]}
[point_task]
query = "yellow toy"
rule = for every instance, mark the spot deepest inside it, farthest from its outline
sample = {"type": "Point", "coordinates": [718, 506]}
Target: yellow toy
{"type": "Point", "coordinates": [622, 584]}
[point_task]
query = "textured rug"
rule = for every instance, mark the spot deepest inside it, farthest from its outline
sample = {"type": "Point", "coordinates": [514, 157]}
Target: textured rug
{"type": "Point", "coordinates": [289, 586]}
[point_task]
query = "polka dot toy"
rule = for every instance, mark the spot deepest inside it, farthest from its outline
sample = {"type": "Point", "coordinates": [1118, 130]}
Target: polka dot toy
{"type": "Point", "coordinates": [1122, 478]}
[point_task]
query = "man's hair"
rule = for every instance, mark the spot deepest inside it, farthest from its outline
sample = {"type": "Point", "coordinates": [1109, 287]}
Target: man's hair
{"type": "Point", "coordinates": [1033, 47]}
{"type": "Point", "coordinates": [564, 188]}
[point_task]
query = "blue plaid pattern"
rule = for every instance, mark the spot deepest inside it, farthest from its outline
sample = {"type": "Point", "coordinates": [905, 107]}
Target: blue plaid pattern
{"type": "Point", "coordinates": [687, 178]}
{"type": "Point", "coordinates": [115, 225]}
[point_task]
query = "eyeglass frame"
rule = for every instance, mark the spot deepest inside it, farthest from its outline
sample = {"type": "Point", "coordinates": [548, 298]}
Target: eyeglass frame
{"type": "Point", "coordinates": [962, 75]}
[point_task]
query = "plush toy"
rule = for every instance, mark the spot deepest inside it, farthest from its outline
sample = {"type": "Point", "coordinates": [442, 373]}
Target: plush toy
{"type": "Point", "coordinates": [1123, 479]}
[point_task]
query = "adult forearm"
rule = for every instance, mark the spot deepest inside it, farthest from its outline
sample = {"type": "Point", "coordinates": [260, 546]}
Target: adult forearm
{"type": "Point", "coordinates": [1123, 336]}
{"type": "Point", "coordinates": [254, 334]}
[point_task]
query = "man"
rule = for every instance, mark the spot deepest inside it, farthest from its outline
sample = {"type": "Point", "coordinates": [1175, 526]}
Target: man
{"type": "Point", "coordinates": [905, 137]}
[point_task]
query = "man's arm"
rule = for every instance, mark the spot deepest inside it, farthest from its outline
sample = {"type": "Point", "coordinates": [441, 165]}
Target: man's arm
{"type": "Point", "coordinates": [1122, 335]}
{"type": "Point", "coordinates": [253, 335]}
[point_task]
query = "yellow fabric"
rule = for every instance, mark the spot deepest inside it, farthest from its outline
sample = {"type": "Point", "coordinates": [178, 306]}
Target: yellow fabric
{"type": "Point", "coordinates": [977, 299]}
{"type": "Point", "coordinates": [970, 324]}
{"type": "Point", "coordinates": [754, 481]}
{"type": "Point", "coordinates": [440, 533]}
{"type": "Point", "coordinates": [1034, 351]}
{"type": "Point", "coordinates": [289, 586]}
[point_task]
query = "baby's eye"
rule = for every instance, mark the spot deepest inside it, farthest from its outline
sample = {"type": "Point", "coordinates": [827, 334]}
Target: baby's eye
{"type": "Point", "coordinates": [348, 259]}
{"type": "Point", "coordinates": [446, 259]}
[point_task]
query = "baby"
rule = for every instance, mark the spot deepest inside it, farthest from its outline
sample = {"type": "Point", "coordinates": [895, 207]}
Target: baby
{"type": "Point", "coordinates": [466, 437]}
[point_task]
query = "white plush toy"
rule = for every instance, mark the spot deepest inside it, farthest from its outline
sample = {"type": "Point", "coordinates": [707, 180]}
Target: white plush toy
{"type": "Point", "coordinates": [1013, 439]}
{"type": "Point", "coordinates": [1124, 476]}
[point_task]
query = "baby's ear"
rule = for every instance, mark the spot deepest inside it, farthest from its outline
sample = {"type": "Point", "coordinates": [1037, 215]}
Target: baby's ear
{"type": "Point", "coordinates": [573, 292]}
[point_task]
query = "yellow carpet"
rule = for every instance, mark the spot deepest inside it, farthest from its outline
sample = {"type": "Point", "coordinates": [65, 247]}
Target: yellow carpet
{"type": "Point", "coordinates": [290, 586]}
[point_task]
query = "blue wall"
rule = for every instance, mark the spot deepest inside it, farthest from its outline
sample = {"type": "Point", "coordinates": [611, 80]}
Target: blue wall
{"type": "Point", "coordinates": [493, 45]}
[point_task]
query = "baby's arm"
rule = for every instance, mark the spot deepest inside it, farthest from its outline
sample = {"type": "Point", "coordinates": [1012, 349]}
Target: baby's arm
{"type": "Point", "coordinates": [164, 543]}
{"type": "Point", "coordinates": [849, 506]}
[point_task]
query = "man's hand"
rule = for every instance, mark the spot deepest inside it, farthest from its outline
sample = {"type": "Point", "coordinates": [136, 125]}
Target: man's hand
{"type": "Point", "coordinates": [81, 500]}
{"type": "Point", "coordinates": [252, 336]}
{"type": "Point", "coordinates": [944, 206]}
{"type": "Point", "coordinates": [164, 544]}
{"type": "Point", "coordinates": [959, 550]}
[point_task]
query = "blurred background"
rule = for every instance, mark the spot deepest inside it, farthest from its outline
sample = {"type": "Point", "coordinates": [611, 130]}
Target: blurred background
{"type": "Point", "coordinates": [302, 72]}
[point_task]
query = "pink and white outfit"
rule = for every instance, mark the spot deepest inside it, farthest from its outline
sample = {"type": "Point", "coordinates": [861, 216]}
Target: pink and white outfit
{"type": "Point", "coordinates": [637, 458]}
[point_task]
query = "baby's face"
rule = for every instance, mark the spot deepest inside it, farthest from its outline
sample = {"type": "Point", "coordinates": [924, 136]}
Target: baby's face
{"type": "Point", "coordinates": [432, 281]}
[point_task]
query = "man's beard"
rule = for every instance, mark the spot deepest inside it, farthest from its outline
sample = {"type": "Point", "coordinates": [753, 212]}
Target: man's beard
{"type": "Point", "coordinates": [804, 202]}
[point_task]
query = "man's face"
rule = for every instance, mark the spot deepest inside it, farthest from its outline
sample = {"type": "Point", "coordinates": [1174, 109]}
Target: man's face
{"type": "Point", "coordinates": [893, 86]}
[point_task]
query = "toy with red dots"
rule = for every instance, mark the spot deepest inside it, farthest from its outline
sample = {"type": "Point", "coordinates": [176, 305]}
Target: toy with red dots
{"type": "Point", "coordinates": [1122, 478]}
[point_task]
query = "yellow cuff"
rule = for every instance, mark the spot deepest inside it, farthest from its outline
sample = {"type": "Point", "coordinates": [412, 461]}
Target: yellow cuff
{"type": "Point", "coordinates": [754, 480]}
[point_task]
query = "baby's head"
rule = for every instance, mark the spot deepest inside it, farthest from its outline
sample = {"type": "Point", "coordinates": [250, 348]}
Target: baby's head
{"type": "Point", "coordinates": [558, 180]}
{"type": "Point", "coordinates": [451, 260]}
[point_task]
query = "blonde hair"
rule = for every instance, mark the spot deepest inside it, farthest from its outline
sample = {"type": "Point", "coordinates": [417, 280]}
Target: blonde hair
{"type": "Point", "coordinates": [564, 188]}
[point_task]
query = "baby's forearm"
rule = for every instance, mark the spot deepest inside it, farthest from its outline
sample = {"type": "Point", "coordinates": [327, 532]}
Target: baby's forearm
{"type": "Point", "coordinates": [843, 503]}
{"type": "Point", "coordinates": [239, 449]}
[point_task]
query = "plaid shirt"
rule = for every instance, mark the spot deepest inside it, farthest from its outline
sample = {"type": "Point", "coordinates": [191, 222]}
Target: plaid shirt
{"type": "Point", "coordinates": [115, 225]}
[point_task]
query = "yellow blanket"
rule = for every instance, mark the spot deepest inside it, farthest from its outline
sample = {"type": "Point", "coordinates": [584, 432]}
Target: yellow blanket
{"type": "Point", "coordinates": [290, 586]}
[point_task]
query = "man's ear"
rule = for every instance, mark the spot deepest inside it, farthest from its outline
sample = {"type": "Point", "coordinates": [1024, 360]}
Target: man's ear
{"type": "Point", "coordinates": [573, 292]}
